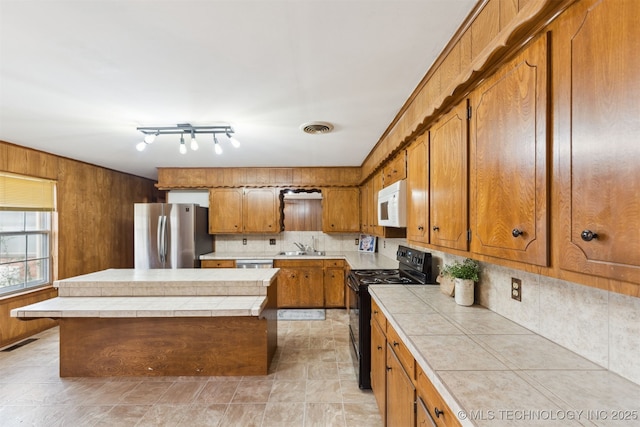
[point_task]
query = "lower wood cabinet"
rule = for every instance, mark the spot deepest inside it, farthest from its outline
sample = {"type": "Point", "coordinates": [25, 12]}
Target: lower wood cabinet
{"type": "Point", "coordinates": [400, 392]}
{"type": "Point", "coordinates": [334, 283]}
{"type": "Point", "coordinates": [404, 394]}
{"type": "Point", "coordinates": [312, 283]}
{"type": "Point", "coordinates": [439, 412]}
{"type": "Point", "coordinates": [300, 283]}
{"type": "Point", "coordinates": [378, 367]}
{"type": "Point", "coordinates": [218, 263]}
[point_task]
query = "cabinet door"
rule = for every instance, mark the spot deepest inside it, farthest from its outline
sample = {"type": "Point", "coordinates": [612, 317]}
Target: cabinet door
{"type": "Point", "coordinates": [260, 210]}
{"type": "Point", "coordinates": [288, 288]}
{"type": "Point", "coordinates": [396, 169]}
{"type": "Point", "coordinates": [400, 393]}
{"type": "Point", "coordinates": [334, 288]}
{"type": "Point", "coordinates": [225, 210]}
{"type": "Point", "coordinates": [448, 180]}
{"type": "Point", "coordinates": [596, 65]}
{"type": "Point", "coordinates": [341, 210]}
{"type": "Point", "coordinates": [311, 287]}
{"type": "Point", "coordinates": [423, 419]}
{"type": "Point", "coordinates": [508, 159]}
{"type": "Point", "coordinates": [379, 367]}
{"type": "Point", "coordinates": [418, 190]}
{"type": "Point", "coordinates": [364, 207]}
{"type": "Point", "coordinates": [376, 185]}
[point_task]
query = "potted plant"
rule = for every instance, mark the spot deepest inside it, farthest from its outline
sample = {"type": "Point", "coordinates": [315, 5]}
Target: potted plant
{"type": "Point", "coordinates": [465, 275]}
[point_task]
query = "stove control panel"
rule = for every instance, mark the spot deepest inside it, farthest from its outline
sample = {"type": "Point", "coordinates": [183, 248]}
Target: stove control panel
{"type": "Point", "coordinates": [414, 258]}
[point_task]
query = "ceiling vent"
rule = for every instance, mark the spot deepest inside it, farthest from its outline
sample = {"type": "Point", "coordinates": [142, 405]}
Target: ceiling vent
{"type": "Point", "coordinates": [316, 128]}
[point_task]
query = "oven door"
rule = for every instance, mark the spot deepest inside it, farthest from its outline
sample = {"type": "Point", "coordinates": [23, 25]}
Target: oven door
{"type": "Point", "coordinates": [353, 298]}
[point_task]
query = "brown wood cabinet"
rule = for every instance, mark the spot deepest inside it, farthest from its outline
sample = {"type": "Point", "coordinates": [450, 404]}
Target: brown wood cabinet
{"type": "Point", "coordinates": [508, 158]}
{"type": "Point", "coordinates": [418, 190]}
{"type": "Point", "coordinates": [218, 263]}
{"type": "Point", "coordinates": [365, 209]}
{"type": "Point", "coordinates": [400, 392]}
{"type": "Point", "coordinates": [341, 210]}
{"type": "Point", "coordinates": [334, 283]}
{"type": "Point", "coordinates": [423, 418]}
{"type": "Point", "coordinates": [438, 411]}
{"type": "Point", "coordinates": [448, 149]}
{"type": "Point", "coordinates": [376, 185]}
{"type": "Point", "coordinates": [396, 169]}
{"type": "Point", "coordinates": [300, 283]}
{"type": "Point", "coordinates": [243, 210]}
{"type": "Point", "coordinates": [596, 65]}
{"type": "Point", "coordinates": [379, 367]}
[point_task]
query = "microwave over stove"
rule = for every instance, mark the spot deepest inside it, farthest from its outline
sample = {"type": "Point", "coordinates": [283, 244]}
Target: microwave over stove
{"type": "Point", "coordinates": [392, 205]}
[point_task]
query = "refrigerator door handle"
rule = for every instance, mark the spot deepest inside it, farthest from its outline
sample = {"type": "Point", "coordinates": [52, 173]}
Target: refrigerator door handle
{"type": "Point", "coordinates": [160, 239]}
{"type": "Point", "coordinates": [164, 239]}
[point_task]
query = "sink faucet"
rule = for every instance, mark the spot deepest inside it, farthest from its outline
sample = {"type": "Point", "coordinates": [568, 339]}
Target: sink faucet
{"type": "Point", "coordinates": [300, 246]}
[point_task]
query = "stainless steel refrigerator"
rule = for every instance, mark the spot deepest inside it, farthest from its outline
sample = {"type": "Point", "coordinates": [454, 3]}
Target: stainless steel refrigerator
{"type": "Point", "coordinates": [170, 235]}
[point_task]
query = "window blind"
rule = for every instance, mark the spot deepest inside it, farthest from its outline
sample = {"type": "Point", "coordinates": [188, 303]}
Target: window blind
{"type": "Point", "coordinates": [18, 192]}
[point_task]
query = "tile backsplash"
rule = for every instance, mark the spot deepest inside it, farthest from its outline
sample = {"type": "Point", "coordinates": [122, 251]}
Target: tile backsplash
{"type": "Point", "coordinates": [602, 326]}
{"type": "Point", "coordinates": [259, 243]}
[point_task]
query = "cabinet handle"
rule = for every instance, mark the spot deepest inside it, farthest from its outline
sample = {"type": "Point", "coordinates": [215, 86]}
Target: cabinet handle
{"type": "Point", "coordinates": [375, 311]}
{"type": "Point", "coordinates": [420, 228]}
{"type": "Point", "coordinates": [395, 343]}
{"type": "Point", "coordinates": [436, 228]}
{"type": "Point", "coordinates": [388, 368]}
{"type": "Point", "coordinates": [438, 412]}
{"type": "Point", "coordinates": [379, 347]}
{"type": "Point", "coordinates": [516, 233]}
{"type": "Point", "coordinates": [588, 235]}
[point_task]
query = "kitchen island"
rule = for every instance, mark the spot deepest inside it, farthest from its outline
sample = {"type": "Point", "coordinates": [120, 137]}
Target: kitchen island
{"type": "Point", "coordinates": [184, 322]}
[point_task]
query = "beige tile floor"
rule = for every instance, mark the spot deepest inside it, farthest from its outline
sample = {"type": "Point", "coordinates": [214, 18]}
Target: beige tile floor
{"type": "Point", "coordinates": [311, 383]}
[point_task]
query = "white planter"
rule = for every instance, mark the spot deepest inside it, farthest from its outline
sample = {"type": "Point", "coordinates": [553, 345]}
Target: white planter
{"type": "Point", "coordinates": [464, 291]}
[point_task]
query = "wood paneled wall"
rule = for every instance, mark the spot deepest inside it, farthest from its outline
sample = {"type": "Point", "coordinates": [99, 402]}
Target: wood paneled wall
{"type": "Point", "coordinates": [95, 223]}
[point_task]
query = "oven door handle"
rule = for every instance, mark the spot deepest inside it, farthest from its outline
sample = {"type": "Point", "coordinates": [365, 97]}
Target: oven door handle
{"type": "Point", "coordinates": [352, 285]}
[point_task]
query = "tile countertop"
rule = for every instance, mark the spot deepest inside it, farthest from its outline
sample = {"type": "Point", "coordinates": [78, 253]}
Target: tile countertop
{"type": "Point", "coordinates": [113, 307]}
{"type": "Point", "coordinates": [493, 372]}
{"type": "Point", "coordinates": [357, 260]}
{"type": "Point", "coordinates": [168, 282]}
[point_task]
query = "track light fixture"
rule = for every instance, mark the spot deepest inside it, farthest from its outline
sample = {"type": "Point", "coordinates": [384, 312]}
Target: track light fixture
{"type": "Point", "coordinates": [150, 134]}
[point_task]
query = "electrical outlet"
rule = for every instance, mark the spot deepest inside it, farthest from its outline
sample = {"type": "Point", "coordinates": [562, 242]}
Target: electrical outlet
{"type": "Point", "coordinates": [384, 244]}
{"type": "Point", "coordinates": [244, 242]}
{"type": "Point", "coordinates": [516, 289]}
{"type": "Point", "coordinates": [272, 242]}
{"type": "Point", "coordinates": [357, 242]}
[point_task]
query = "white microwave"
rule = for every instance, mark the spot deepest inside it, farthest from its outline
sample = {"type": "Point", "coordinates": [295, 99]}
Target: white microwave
{"type": "Point", "coordinates": [392, 205]}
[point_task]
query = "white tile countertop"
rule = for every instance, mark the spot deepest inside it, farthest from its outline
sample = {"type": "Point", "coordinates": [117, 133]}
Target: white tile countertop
{"type": "Point", "coordinates": [169, 282]}
{"type": "Point", "coordinates": [357, 260]}
{"type": "Point", "coordinates": [493, 372]}
{"type": "Point", "coordinates": [112, 307]}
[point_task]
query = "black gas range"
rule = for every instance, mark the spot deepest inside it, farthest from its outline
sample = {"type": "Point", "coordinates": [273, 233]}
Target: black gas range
{"type": "Point", "coordinates": [414, 268]}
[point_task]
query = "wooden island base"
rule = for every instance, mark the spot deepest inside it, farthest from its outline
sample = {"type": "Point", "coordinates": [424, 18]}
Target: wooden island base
{"type": "Point", "coordinates": [166, 346]}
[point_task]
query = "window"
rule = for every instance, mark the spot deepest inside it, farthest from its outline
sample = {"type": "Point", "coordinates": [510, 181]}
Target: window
{"type": "Point", "coordinates": [25, 254]}
{"type": "Point", "coordinates": [26, 206]}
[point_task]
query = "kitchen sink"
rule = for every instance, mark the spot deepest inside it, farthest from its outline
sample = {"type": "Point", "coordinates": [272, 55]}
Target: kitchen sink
{"type": "Point", "coordinates": [301, 253]}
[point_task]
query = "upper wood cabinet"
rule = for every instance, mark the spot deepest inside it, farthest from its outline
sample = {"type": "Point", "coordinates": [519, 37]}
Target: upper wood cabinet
{"type": "Point", "coordinates": [225, 210]}
{"type": "Point", "coordinates": [377, 182]}
{"type": "Point", "coordinates": [418, 190]}
{"type": "Point", "coordinates": [448, 180]}
{"type": "Point", "coordinates": [597, 93]}
{"type": "Point", "coordinates": [508, 160]}
{"type": "Point", "coordinates": [365, 197]}
{"type": "Point", "coordinates": [396, 169]}
{"type": "Point", "coordinates": [341, 210]}
{"type": "Point", "coordinates": [243, 210]}
{"type": "Point", "coordinates": [260, 213]}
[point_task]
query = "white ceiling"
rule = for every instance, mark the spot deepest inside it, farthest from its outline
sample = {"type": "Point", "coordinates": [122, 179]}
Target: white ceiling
{"type": "Point", "coordinates": [78, 77]}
